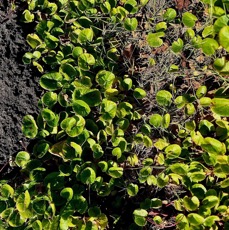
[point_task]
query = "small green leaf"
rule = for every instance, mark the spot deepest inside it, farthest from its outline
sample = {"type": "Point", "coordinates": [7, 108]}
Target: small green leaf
{"type": "Point", "coordinates": [51, 81]}
{"type": "Point", "coordinates": [212, 146]}
{"type": "Point", "coordinates": [210, 220]}
{"type": "Point", "coordinates": [140, 217]}
{"type": "Point", "coordinates": [23, 201]}
{"type": "Point", "coordinates": [33, 40]}
{"type": "Point", "coordinates": [220, 106]}
{"type": "Point", "coordinates": [223, 37]}
{"type": "Point", "coordinates": [189, 19]}
{"type": "Point", "coordinates": [49, 99]}
{"type": "Point", "coordinates": [105, 79]}
{"type": "Point", "coordinates": [156, 203]}
{"type": "Point", "coordinates": [67, 193]}
{"type": "Point", "coordinates": [224, 183]}
{"type": "Point", "coordinates": [22, 158]}
{"type": "Point", "coordinates": [164, 97]}
{"type": "Point", "coordinates": [177, 46]}
{"type": "Point", "coordinates": [85, 35]}
{"type": "Point", "coordinates": [29, 126]}
{"type": "Point", "coordinates": [85, 60]}
{"type": "Point", "coordinates": [73, 126]}
{"type": "Point", "coordinates": [154, 39]}
{"type": "Point", "coordinates": [97, 151]}
{"type": "Point", "coordinates": [179, 168]}
{"type": "Point", "coordinates": [155, 120]}
{"type": "Point", "coordinates": [132, 189]}
{"type": "Point", "coordinates": [195, 219]}
{"type": "Point", "coordinates": [210, 201]}
{"type": "Point", "coordinates": [139, 93]}
{"type": "Point", "coordinates": [81, 108]}
{"type": "Point", "coordinates": [131, 24]}
{"type": "Point", "coordinates": [205, 101]}
{"type": "Point", "coordinates": [16, 220]}
{"type": "Point", "coordinates": [37, 225]}
{"type": "Point", "coordinates": [161, 26]}
{"type": "Point", "coordinates": [7, 191]}
{"type": "Point", "coordinates": [170, 14]}
{"type": "Point", "coordinates": [88, 176]}
{"type": "Point", "coordinates": [201, 91]}
{"type": "Point", "coordinates": [28, 16]}
{"type": "Point", "coordinates": [191, 204]}
{"type": "Point", "coordinates": [173, 151]}
{"type": "Point", "coordinates": [115, 172]}
{"type": "Point", "coordinates": [209, 46]}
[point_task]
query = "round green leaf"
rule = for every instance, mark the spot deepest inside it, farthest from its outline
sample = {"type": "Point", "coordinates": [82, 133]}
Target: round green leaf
{"type": "Point", "coordinates": [170, 14]}
{"type": "Point", "coordinates": [132, 189]}
{"type": "Point", "coordinates": [51, 81]}
{"type": "Point", "coordinates": [223, 37]}
{"type": "Point", "coordinates": [29, 126]}
{"type": "Point", "coordinates": [115, 172]}
{"type": "Point", "coordinates": [22, 158]}
{"type": "Point", "coordinates": [220, 106]}
{"type": "Point", "coordinates": [209, 46]}
{"type": "Point", "coordinates": [177, 46]}
{"type": "Point", "coordinates": [15, 219]}
{"type": "Point", "coordinates": [140, 217]}
{"type": "Point", "coordinates": [73, 126]}
{"type": "Point", "coordinates": [164, 97]}
{"type": "Point", "coordinates": [7, 191]}
{"type": "Point", "coordinates": [173, 151]}
{"type": "Point", "coordinates": [156, 203]}
{"type": "Point", "coordinates": [191, 204]}
{"type": "Point", "coordinates": [189, 19]}
{"type": "Point", "coordinates": [210, 201]}
{"type": "Point", "coordinates": [179, 168]}
{"type": "Point", "coordinates": [154, 39]}
{"type": "Point", "coordinates": [139, 93]}
{"type": "Point", "coordinates": [85, 35]}
{"type": "Point", "coordinates": [80, 107]}
{"type": "Point", "coordinates": [156, 120]}
{"type": "Point", "coordinates": [88, 176]}
{"type": "Point", "coordinates": [85, 60]}
{"type": "Point", "coordinates": [131, 24]}
{"type": "Point", "coordinates": [198, 190]}
{"type": "Point", "coordinates": [105, 79]}
{"type": "Point", "coordinates": [49, 99]}
{"type": "Point", "coordinates": [67, 193]}
{"type": "Point", "coordinates": [108, 109]}
{"type": "Point", "coordinates": [195, 219]}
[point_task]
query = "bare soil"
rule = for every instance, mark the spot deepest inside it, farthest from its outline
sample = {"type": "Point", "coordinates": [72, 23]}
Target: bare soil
{"type": "Point", "coordinates": [19, 91]}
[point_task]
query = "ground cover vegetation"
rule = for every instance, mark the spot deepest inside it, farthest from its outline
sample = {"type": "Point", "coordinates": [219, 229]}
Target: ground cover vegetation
{"type": "Point", "coordinates": [132, 131]}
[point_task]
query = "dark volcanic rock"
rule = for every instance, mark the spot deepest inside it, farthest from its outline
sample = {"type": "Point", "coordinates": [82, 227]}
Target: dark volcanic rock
{"type": "Point", "coordinates": [19, 88]}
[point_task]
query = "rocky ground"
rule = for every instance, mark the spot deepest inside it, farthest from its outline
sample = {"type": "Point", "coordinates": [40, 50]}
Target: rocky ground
{"type": "Point", "coordinates": [19, 90]}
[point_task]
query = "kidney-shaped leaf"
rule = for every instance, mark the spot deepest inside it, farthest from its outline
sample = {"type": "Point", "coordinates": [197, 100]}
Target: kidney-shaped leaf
{"type": "Point", "coordinates": [154, 39]}
{"type": "Point", "coordinates": [105, 79]}
{"type": "Point", "coordinates": [22, 158]}
{"type": "Point", "coordinates": [163, 98]}
{"type": "Point", "coordinates": [195, 219]}
{"type": "Point", "coordinates": [80, 107]}
{"type": "Point", "coordinates": [189, 19]}
{"type": "Point", "coordinates": [173, 151]}
{"type": "Point", "coordinates": [73, 126]}
{"type": "Point", "coordinates": [131, 24]}
{"type": "Point", "coordinates": [29, 126]}
{"type": "Point", "coordinates": [88, 176]}
{"type": "Point", "coordinates": [115, 172]}
{"type": "Point", "coordinates": [51, 81]}
{"type": "Point", "coordinates": [223, 37]}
